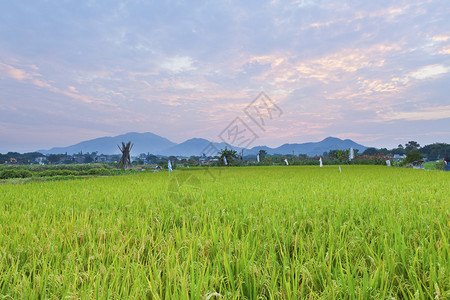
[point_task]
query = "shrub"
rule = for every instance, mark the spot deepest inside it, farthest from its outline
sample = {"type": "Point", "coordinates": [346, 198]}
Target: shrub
{"type": "Point", "coordinates": [101, 171]}
{"type": "Point", "coordinates": [6, 174]}
{"type": "Point", "coordinates": [51, 173]}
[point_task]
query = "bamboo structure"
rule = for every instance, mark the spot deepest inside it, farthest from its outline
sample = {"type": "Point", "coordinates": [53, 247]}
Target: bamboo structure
{"type": "Point", "coordinates": [125, 160]}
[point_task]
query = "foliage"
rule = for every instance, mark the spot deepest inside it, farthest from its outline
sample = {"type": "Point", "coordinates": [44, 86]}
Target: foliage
{"type": "Point", "coordinates": [93, 171]}
{"type": "Point", "coordinates": [370, 151]}
{"type": "Point", "coordinates": [413, 155]}
{"type": "Point", "coordinates": [341, 155]}
{"type": "Point", "coordinates": [54, 158]}
{"type": "Point", "coordinates": [229, 154]}
{"type": "Point", "coordinates": [53, 171]}
{"type": "Point", "coordinates": [411, 145]}
{"type": "Point", "coordinates": [436, 151]}
{"type": "Point", "coordinates": [88, 159]}
{"type": "Point", "coordinates": [262, 154]}
{"type": "Point", "coordinates": [153, 159]}
{"type": "Point", "coordinates": [434, 165]}
{"type": "Point", "coordinates": [9, 173]}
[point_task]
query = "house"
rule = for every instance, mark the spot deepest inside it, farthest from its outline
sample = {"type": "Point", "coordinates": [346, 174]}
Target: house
{"type": "Point", "coordinates": [103, 158]}
{"type": "Point", "coordinates": [65, 158]}
{"type": "Point", "coordinates": [40, 160]}
{"type": "Point", "coordinates": [79, 158]}
{"type": "Point", "coordinates": [399, 157]}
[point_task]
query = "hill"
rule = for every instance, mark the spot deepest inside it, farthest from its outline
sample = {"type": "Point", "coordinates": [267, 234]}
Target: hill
{"type": "Point", "coordinates": [155, 144]}
{"type": "Point", "coordinates": [312, 148]}
{"type": "Point", "coordinates": [143, 143]}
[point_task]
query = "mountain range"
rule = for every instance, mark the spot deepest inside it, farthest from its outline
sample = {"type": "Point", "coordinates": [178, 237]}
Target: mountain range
{"type": "Point", "coordinates": [151, 143]}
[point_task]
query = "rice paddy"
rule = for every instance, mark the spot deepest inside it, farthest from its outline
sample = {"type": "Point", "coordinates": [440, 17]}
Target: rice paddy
{"type": "Point", "coordinates": [289, 232]}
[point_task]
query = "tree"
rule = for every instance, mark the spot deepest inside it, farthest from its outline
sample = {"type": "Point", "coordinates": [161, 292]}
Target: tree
{"type": "Point", "coordinates": [340, 154]}
{"type": "Point", "coordinates": [370, 151]}
{"type": "Point", "coordinates": [399, 150]}
{"type": "Point", "coordinates": [436, 151]}
{"type": "Point", "coordinates": [152, 159]}
{"type": "Point", "coordinates": [262, 154]}
{"type": "Point", "coordinates": [383, 151]}
{"type": "Point", "coordinates": [54, 158]}
{"type": "Point", "coordinates": [411, 145]}
{"type": "Point", "coordinates": [194, 159]}
{"type": "Point", "coordinates": [138, 162]}
{"type": "Point", "coordinates": [228, 154]}
{"type": "Point", "coordinates": [88, 159]}
{"type": "Point", "coordinates": [413, 155]}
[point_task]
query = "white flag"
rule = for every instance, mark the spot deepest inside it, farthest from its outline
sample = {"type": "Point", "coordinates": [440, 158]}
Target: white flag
{"type": "Point", "coordinates": [225, 161]}
{"type": "Point", "coordinates": [286, 161]}
{"type": "Point", "coordinates": [388, 163]}
{"type": "Point", "coordinates": [169, 165]}
{"type": "Point", "coordinates": [352, 154]}
{"type": "Point", "coordinates": [320, 161]}
{"type": "Point", "coordinates": [340, 171]}
{"type": "Point", "coordinates": [257, 158]}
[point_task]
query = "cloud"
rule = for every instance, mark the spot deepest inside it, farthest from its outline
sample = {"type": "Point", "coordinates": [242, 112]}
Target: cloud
{"type": "Point", "coordinates": [441, 38]}
{"type": "Point", "coordinates": [133, 65]}
{"type": "Point", "coordinates": [14, 73]}
{"type": "Point", "coordinates": [445, 50]}
{"type": "Point", "coordinates": [429, 71]}
{"type": "Point", "coordinates": [430, 113]}
{"type": "Point", "coordinates": [178, 64]}
{"type": "Point", "coordinates": [36, 79]}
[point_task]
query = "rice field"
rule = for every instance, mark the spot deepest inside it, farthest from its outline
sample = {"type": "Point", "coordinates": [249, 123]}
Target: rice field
{"type": "Point", "coordinates": [289, 232]}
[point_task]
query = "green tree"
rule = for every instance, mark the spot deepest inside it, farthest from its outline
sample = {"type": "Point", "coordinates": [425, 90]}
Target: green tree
{"type": "Point", "coordinates": [138, 162]}
{"type": "Point", "coordinates": [194, 160]}
{"type": "Point", "coordinates": [152, 159]}
{"type": "Point", "coordinates": [228, 154]}
{"type": "Point", "coordinates": [262, 154]}
{"type": "Point", "coordinates": [53, 158]}
{"type": "Point", "coordinates": [411, 145]}
{"type": "Point", "coordinates": [436, 151]}
{"type": "Point", "coordinates": [88, 159]}
{"type": "Point", "coordinates": [340, 154]}
{"type": "Point", "coordinates": [399, 150]}
{"type": "Point", "coordinates": [384, 151]}
{"type": "Point", "coordinates": [413, 155]}
{"type": "Point", "coordinates": [370, 151]}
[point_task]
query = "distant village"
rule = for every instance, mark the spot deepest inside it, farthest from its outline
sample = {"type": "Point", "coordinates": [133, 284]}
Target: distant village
{"type": "Point", "coordinates": [87, 158]}
{"type": "Point", "coordinates": [430, 152]}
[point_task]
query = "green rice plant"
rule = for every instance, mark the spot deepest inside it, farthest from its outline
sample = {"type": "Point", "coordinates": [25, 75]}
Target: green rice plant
{"type": "Point", "coordinates": [288, 232]}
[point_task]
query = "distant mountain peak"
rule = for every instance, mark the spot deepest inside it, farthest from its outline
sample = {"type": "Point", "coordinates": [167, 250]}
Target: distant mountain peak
{"type": "Point", "coordinates": [331, 138]}
{"type": "Point", "coordinates": [142, 143]}
{"type": "Point", "coordinates": [149, 142]}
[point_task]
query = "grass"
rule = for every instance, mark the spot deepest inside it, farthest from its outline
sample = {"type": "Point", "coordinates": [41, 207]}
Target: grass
{"type": "Point", "coordinates": [371, 232]}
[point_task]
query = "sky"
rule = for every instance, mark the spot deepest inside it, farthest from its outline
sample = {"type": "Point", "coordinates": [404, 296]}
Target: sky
{"type": "Point", "coordinates": [376, 72]}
